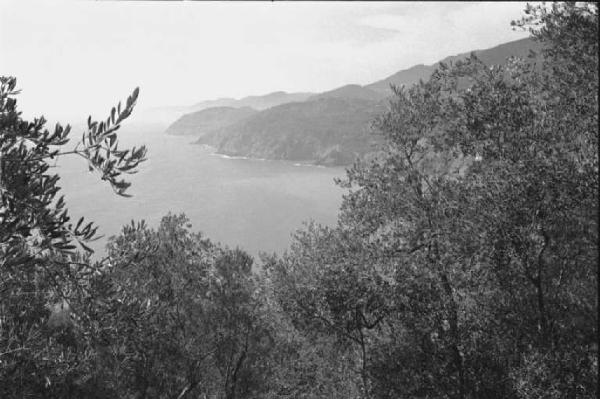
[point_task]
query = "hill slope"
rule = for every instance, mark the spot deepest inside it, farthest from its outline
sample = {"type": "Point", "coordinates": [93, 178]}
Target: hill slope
{"type": "Point", "coordinates": [208, 120]}
{"type": "Point", "coordinates": [331, 131]}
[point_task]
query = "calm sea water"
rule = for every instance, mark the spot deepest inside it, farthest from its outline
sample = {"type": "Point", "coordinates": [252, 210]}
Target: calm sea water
{"type": "Point", "coordinates": [253, 204]}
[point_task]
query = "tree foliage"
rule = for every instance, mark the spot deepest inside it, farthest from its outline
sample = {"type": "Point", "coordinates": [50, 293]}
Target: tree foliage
{"type": "Point", "coordinates": [41, 274]}
{"type": "Point", "coordinates": [475, 230]}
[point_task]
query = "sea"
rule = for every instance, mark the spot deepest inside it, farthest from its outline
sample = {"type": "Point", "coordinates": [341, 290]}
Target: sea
{"type": "Point", "coordinates": [253, 204]}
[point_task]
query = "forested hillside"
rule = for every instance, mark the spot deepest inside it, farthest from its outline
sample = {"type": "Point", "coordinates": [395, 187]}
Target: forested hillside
{"type": "Point", "coordinates": [331, 131]}
{"type": "Point", "coordinates": [435, 283]}
{"type": "Point", "coordinates": [208, 120]}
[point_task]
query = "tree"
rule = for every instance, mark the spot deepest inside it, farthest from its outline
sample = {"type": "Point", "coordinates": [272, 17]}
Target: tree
{"type": "Point", "coordinates": [183, 317]}
{"type": "Point", "coordinates": [329, 286]}
{"type": "Point", "coordinates": [39, 268]}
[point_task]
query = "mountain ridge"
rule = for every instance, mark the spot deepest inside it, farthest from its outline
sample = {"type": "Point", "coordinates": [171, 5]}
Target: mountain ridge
{"type": "Point", "coordinates": [490, 56]}
{"type": "Point", "coordinates": [258, 102]}
{"type": "Point", "coordinates": [332, 127]}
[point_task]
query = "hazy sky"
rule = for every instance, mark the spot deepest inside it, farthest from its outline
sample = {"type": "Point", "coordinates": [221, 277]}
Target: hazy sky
{"type": "Point", "coordinates": [77, 57]}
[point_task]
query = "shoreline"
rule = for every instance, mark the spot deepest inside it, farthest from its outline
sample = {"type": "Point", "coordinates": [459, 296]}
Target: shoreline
{"type": "Point", "coordinates": [295, 163]}
{"type": "Point", "coordinates": [212, 151]}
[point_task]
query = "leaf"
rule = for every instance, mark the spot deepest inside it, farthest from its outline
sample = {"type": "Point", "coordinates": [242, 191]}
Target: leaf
{"type": "Point", "coordinates": [86, 248]}
{"type": "Point", "coordinates": [79, 223]}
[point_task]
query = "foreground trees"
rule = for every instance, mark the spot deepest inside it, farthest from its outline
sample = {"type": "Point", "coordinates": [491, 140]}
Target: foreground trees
{"type": "Point", "coordinates": [183, 319]}
{"type": "Point", "coordinates": [466, 260]}
{"type": "Point", "coordinates": [40, 271]}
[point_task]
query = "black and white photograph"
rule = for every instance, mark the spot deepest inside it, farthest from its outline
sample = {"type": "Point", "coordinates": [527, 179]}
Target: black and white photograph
{"type": "Point", "coordinates": [298, 199]}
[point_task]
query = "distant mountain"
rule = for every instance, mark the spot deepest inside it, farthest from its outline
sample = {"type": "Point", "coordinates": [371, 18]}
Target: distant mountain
{"type": "Point", "coordinates": [165, 116]}
{"type": "Point", "coordinates": [351, 92]}
{"type": "Point", "coordinates": [256, 102]}
{"type": "Point", "coordinates": [493, 56]}
{"type": "Point", "coordinates": [219, 102]}
{"type": "Point", "coordinates": [330, 131]}
{"type": "Point", "coordinates": [208, 120]}
{"type": "Point", "coordinates": [332, 127]}
{"type": "Point", "coordinates": [159, 116]}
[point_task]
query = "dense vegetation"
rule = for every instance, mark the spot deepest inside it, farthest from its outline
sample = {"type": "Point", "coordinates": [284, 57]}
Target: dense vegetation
{"type": "Point", "coordinates": [464, 263]}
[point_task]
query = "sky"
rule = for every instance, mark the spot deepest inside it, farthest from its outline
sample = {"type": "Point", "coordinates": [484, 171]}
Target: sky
{"type": "Point", "coordinates": [75, 58]}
